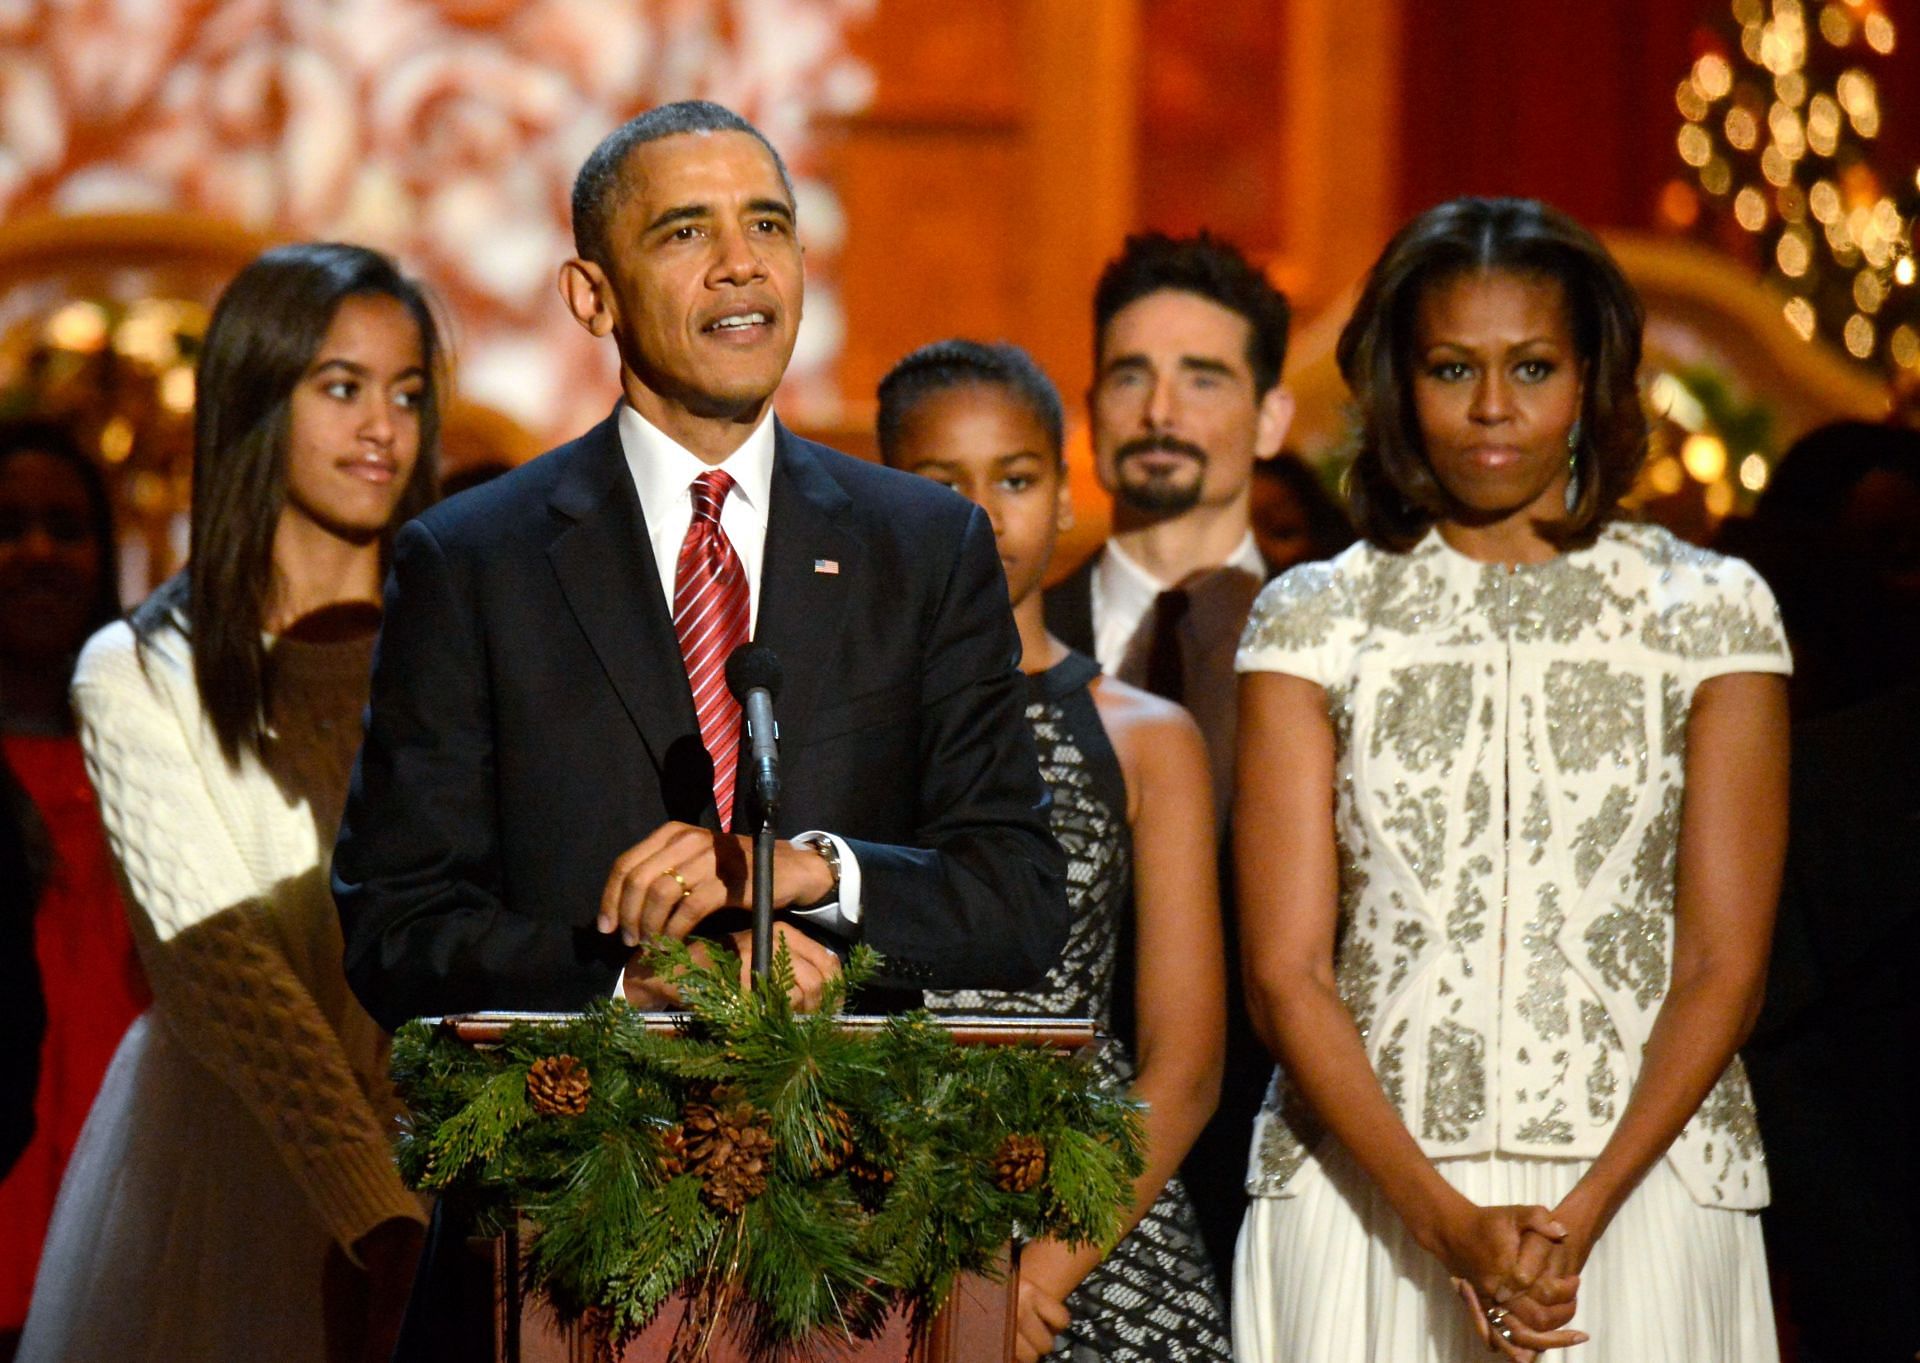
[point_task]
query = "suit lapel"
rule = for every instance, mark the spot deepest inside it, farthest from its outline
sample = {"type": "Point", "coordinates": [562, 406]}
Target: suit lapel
{"type": "Point", "coordinates": [812, 561]}
{"type": "Point", "coordinates": [605, 565]}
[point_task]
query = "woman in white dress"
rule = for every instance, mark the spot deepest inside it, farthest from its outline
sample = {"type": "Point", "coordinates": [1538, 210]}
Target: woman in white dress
{"type": "Point", "coordinates": [1510, 826]}
{"type": "Point", "coordinates": [233, 1193]}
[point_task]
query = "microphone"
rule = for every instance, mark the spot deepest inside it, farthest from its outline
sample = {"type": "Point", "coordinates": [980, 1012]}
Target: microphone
{"type": "Point", "coordinates": [754, 677]}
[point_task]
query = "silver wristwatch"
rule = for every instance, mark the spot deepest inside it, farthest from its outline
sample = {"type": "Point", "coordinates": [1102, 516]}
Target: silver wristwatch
{"type": "Point", "coordinates": [826, 847]}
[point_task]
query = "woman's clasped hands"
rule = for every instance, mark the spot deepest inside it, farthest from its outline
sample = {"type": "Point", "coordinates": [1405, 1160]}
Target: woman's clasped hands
{"type": "Point", "coordinates": [1516, 1269]}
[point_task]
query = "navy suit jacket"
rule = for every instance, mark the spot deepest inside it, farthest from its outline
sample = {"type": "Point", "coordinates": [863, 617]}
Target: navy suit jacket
{"type": "Point", "coordinates": [531, 720]}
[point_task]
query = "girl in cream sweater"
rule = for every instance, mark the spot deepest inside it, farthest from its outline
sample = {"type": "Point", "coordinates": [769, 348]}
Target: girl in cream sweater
{"type": "Point", "coordinates": [233, 1194]}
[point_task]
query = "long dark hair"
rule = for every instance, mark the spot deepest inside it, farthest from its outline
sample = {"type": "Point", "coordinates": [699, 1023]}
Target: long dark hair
{"type": "Point", "coordinates": [266, 330]}
{"type": "Point", "coordinates": [1391, 488]}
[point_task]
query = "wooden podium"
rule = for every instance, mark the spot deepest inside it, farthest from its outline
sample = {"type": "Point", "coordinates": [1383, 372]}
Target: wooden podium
{"type": "Point", "coordinates": [975, 1326]}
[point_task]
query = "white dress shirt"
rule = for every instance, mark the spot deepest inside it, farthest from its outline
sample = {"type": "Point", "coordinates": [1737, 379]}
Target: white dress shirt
{"type": "Point", "coordinates": [1123, 593]}
{"type": "Point", "coordinates": [663, 474]}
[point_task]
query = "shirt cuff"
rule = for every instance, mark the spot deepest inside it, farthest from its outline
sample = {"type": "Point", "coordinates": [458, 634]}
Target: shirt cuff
{"type": "Point", "coordinates": [839, 916]}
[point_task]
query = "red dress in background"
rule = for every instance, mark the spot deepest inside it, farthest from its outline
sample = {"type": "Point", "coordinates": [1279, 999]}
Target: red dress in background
{"type": "Point", "coordinates": [94, 990]}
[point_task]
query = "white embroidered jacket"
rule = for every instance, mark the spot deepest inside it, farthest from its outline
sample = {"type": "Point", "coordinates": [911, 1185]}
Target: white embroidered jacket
{"type": "Point", "coordinates": [1511, 748]}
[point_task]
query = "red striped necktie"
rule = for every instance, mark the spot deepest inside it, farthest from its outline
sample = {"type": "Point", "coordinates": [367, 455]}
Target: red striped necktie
{"type": "Point", "coordinates": [710, 614]}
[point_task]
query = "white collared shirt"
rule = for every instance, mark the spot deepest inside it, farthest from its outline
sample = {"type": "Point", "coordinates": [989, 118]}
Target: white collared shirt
{"type": "Point", "coordinates": [663, 475]}
{"type": "Point", "coordinates": [1123, 594]}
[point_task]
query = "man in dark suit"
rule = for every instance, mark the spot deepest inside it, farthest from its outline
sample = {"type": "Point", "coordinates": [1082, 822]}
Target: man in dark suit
{"type": "Point", "coordinates": [541, 790]}
{"type": "Point", "coordinates": [548, 776]}
{"type": "Point", "coordinates": [1189, 340]}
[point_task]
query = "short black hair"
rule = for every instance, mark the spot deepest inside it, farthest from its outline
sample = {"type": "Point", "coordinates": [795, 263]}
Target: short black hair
{"type": "Point", "coordinates": [1152, 262]}
{"type": "Point", "coordinates": [602, 179]}
{"type": "Point", "coordinates": [960, 363]}
{"type": "Point", "coordinates": [1391, 488]}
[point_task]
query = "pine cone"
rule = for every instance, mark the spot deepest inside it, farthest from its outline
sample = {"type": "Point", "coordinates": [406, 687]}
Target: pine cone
{"type": "Point", "coordinates": [867, 1172]}
{"type": "Point", "coordinates": [729, 1148]}
{"type": "Point", "coordinates": [732, 1188]}
{"type": "Point", "coordinates": [673, 1152]}
{"type": "Point", "coordinates": [1020, 1164]}
{"type": "Point", "coordinates": [712, 1092]}
{"type": "Point", "coordinates": [558, 1086]}
{"type": "Point", "coordinates": [701, 1137]}
{"type": "Point", "coordinates": [836, 1142]}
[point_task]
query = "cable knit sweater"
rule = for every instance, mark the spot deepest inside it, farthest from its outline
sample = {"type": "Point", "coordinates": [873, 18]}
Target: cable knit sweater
{"type": "Point", "coordinates": [226, 871]}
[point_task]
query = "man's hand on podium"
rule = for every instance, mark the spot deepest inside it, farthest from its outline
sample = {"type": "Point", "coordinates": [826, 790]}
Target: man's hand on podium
{"type": "Point", "coordinates": [813, 966]}
{"type": "Point", "coordinates": [670, 880]}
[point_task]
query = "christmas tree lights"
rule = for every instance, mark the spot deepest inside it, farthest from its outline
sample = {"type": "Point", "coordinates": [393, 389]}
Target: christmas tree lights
{"type": "Point", "coordinates": [1781, 112]}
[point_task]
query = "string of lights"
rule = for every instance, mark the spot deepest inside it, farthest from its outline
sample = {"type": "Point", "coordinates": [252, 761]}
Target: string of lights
{"type": "Point", "coordinates": [1780, 113]}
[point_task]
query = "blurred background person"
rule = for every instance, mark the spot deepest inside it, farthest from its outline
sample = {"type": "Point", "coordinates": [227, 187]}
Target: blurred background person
{"type": "Point", "coordinates": [1294, 518]}
{"type": "Point", "coordinates": [1837, 535]}
{"type": "Point", "coordinates": [233, 1194]}
{"type": "Point", "coordinates": [1509, 828]}
{"type": "Point", "coordinates": [1189, 341]}
{"type": "Point", "coordinates": [1835, 1057]}
{"type": "Point", "coordinates": [1836, 1054]}
{"type": "Point", "coordinates": [1131, 807]}
{"type": "Point", "coordinates": [58, 584]}
{"type": "Point", "coordinates": [23, 1010]}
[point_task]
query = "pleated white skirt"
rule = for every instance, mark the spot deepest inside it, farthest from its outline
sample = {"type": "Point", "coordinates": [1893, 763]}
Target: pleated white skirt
{"type": "Point", "coordinates": [1330, 1275]}
{"type": "Point", "coordinates": [179, 1236]}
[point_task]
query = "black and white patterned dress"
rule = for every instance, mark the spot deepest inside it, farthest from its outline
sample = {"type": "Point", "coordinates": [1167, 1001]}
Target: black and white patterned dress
{"type": "Point", "coordinates": [1155, 1298]}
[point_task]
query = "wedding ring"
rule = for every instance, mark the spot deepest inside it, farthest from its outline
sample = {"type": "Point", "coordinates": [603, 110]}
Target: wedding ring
{"type": "Point", "coordinates": [685, 889]}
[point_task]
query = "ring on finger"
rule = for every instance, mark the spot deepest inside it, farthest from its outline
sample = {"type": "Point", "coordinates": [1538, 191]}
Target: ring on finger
{"type": "Point", "coordinates": [1497, 1321]}
{"type": "Point", "coordinates": [685, 889]}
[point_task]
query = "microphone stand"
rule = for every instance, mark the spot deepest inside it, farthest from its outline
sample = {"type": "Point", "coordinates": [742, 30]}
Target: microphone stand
{"type": "Point", "coordinates": [753, 676]}
{"type": "Point", "coordinates": [763, 884]}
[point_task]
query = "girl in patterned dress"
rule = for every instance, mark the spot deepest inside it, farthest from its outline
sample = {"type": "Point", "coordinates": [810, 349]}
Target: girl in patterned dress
{"type": "Point", "coordinates": [1511, 819]}
{"type": "Point", "coordinates": [1132, 808]}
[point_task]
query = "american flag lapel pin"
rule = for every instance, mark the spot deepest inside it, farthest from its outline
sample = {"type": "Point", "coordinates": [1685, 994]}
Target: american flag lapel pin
{"type": "Point", "coordinates": [829, 566]}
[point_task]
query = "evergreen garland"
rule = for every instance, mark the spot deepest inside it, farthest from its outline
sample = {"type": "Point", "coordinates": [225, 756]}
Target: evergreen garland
{"type": "Point", "coordinates": [797, 1176]}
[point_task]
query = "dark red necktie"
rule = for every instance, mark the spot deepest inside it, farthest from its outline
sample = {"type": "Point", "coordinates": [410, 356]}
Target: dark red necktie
{"type": "Point", "coordinates": [1166, 668]}
{"type": "Point", "coordinates": [710, 613]}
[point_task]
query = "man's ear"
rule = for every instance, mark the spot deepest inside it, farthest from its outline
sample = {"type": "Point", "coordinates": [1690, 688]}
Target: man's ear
{"type": "Point", "coordinates": [585, 291]}
{"type": "Point", "coordinates": [1270, 427]}
{"type": "Point", "coordinates": [1063, 503]}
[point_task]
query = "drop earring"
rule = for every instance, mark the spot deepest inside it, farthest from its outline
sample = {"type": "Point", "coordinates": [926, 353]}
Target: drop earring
{"type": "Point", "coordinates": [1573, 465]}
